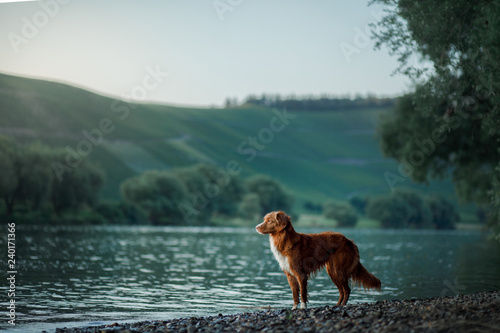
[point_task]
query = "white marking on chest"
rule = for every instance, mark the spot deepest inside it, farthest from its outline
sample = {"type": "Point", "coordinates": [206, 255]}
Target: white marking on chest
{"type": "Point", "coordinates": [282, 260]}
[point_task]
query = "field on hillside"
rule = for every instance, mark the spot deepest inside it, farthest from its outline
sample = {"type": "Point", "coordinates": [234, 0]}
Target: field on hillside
{"type": "Point", "coordinates": [316, 155]}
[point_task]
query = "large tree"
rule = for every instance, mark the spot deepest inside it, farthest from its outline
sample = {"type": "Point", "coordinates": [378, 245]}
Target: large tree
{"type": "Point", "coordinates": [451, 121]}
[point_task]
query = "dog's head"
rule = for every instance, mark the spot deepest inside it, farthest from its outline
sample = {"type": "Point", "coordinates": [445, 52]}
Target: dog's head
{"type": "Point", "coordinates": [274, 222]}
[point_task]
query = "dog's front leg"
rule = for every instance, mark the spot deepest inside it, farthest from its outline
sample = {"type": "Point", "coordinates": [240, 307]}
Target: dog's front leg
{"type": "Point", "coordinates": [294, 285]}
{"type": "Point", "coordinates": [302, 278]}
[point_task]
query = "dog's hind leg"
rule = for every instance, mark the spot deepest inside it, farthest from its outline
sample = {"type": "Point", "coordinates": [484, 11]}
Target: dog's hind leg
{"type": "Point", "coordinates": [294, 285]}
{"type": "Point", "coordinates": [336, 280]}
{"type": "Point", "coordinates": [347, 290]}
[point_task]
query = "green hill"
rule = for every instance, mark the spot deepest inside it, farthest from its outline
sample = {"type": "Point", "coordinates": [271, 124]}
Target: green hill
{"type": "Point", "coordinates": [317, 155]}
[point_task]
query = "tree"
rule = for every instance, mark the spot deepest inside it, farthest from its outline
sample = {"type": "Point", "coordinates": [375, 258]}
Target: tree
{"type": "Point", "coordinates": [249, 207]}
{"type": "Point", "coordinates": [78, 189]}
{"type": "Point", "coordinates": [451, 121]}
{"type": "Point", "coordinates": [418, 212]}
{"type": "Point", "coordinates": [229, 189]}
{"type": "Point", "coordinates": [359, 204]}
{"type": "Point", "coordinates": [390, 211]}
{"type": "Point", "coordinates": [211, 190]}
{"type": "Point", "coordinates": [34, 176]}
{"type": "Point", "coordinates": [158, 194]}
{"type": "Point", "coordinates": [26, 175]}
{"type": "Point", "coordinates": [196, 186]}
{"type": "Point", "coordinates": [444, 215]}
{"type": "Point", "coordinates": [272, 195]}
{"type": "Point", "coordinates": [342, 212]}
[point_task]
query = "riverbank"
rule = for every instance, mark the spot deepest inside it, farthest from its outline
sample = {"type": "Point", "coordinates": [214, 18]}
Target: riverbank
{"type": "Point", "coordinates": [479, 312]}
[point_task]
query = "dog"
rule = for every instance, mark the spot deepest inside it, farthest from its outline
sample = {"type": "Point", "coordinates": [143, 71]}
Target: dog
{"type": "Point", "coordinates": [302, 255]}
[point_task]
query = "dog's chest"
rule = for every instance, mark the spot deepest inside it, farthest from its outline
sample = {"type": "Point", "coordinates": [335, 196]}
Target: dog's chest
{"type": "Point", "coordinates": [282, 260]}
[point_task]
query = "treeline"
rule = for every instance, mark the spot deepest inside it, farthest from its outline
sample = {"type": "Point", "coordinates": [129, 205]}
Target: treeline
{"type": "Point", "coordinates": [314, 103]}
{"type": "Point", "coordinates": [196, 195]}
{"type": "Point", "coordinates": [401, 209]}
{"type": "Point", "coordinates": [29, 186]}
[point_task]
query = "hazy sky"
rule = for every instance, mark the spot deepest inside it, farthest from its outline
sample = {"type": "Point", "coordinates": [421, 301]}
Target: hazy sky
{"type": "Point", "coordinates": [199, 52]}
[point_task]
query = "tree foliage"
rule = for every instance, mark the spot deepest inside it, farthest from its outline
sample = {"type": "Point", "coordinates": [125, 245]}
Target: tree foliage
{"type": "Point", "coordinates": [250, 208]}
{"type": "Point", "coordinates": [211, 191]}
{"type": "Point", "coordinates": [451, 121]}
{"type": "Point", "coordinates": [359, 204]}
{"type": "Point", "coordinates": [391, 212]}
{"type": "Point", "coordinates": [272, 195]}
{"type": "Point", "coordinates": [158, 194]}
{"type": "Point", "coordinates": [228, 189]}
{"type": "Point", "coordinates": [27, 180]}
{"type": "Point", "coordinates": [77, 189]}
{"type": "Point", "coordinates": [444, 215]}
{"type": "Point", "coordinates": [342, 212]}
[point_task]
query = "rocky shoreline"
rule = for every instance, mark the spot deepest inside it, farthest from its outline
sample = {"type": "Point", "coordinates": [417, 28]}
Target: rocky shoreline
{"type": "Point", "coordinates": [479, 312]}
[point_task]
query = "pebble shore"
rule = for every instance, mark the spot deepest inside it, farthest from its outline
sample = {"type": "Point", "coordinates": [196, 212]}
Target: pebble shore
{"type": "Point", "coordinates": [479, 312]}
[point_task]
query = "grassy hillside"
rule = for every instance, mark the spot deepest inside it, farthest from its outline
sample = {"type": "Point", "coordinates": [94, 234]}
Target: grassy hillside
{"type": "Point", "coordinates": [317, 155]}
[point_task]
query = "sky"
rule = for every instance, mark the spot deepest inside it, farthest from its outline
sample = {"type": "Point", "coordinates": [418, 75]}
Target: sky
{"type": "Point", "coordinates": [199, 52]}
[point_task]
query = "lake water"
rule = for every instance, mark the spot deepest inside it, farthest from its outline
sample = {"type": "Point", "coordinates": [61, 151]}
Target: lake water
{"type": "Point", "coordinates": [78, 276]}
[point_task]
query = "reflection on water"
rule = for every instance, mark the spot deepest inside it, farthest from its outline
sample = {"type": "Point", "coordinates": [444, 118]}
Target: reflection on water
{"type": "Point", "coordinates": [79, 275]}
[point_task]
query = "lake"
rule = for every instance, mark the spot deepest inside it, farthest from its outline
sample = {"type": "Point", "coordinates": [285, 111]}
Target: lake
{"type": "Point", "coordinates": [77, 276]}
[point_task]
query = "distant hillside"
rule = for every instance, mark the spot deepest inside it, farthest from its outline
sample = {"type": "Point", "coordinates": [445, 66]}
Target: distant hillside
{"type": "Point", "coordinates": [317, 155]}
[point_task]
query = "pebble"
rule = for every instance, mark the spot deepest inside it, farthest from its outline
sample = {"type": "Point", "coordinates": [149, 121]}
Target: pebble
{"type": "Point", "coordinates": [478, 312]}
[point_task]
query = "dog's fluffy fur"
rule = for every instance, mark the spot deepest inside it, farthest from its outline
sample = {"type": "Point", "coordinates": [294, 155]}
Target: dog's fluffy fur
{"type": "Point", "coordinates": [301, 255]}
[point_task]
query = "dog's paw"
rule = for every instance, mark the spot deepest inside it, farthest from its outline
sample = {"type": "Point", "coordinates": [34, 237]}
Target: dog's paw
{"type": "Point", "coordinates": [303, 306]}
{"type": "Point", "coordinates": [294, 307]}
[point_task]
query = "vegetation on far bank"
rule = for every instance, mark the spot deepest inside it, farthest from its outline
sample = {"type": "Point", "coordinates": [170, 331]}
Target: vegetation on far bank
{"type": "Point", "coordinates": [34, 188]}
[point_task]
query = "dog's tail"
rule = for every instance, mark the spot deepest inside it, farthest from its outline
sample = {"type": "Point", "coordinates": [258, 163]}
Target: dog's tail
{"type": "Point", "coordinates": [361, 276]}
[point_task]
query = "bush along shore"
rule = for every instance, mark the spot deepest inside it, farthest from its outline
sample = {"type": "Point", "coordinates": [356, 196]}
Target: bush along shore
{"type": "Point", "coordinates": [479, 312]}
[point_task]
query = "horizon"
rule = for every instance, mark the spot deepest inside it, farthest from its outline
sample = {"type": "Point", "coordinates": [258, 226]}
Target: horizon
{"type": "Point", "coordinates": [202, 54]}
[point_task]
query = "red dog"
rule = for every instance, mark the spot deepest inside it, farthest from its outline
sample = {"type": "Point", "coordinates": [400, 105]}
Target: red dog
{"type": "Point", "coordinates": [300, 255]}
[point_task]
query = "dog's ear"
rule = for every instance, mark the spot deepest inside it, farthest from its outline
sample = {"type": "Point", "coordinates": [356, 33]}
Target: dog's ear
{"type": "Point", "coordinates": [282, 219]}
